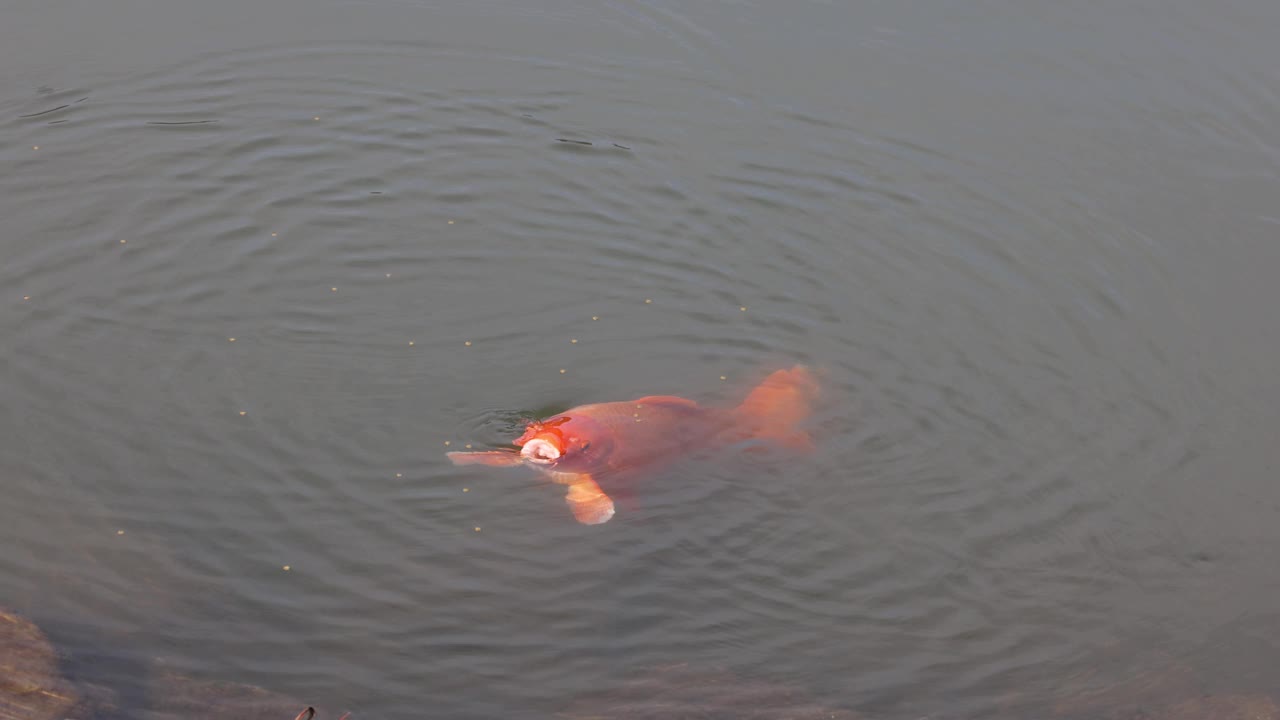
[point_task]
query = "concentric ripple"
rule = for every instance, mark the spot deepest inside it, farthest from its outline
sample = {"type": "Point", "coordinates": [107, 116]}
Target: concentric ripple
{"type": "Point", "coordinates": [253, 298]}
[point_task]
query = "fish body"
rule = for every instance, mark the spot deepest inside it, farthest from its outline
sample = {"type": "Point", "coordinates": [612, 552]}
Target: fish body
{"type": "Point", "coordinates": [588, 442]}
{"type": "Point", "coordinates": [608, 437]}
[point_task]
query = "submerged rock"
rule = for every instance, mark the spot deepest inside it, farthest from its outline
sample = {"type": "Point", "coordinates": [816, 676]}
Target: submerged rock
{"type": "Point", "coordinates": [1210, 707]}
{"type": "Point", "coordinates": [1222, 707]}
{"type": "Point", "coordinates": [31, 687]}
{"type": "Point", "coordinates": [177, 697]}
{"type": "Point", "coordinates": [679, 693]}
{"type": "Point", "coordinates": [1173, 692]}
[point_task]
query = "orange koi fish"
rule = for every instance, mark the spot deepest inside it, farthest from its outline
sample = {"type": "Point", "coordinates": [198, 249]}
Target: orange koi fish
{"type": "Point", "coordinates": [592, 441]}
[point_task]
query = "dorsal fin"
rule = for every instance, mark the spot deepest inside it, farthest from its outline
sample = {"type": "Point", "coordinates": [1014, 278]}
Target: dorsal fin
{"type": "Point", "coordinates": [666, 400]}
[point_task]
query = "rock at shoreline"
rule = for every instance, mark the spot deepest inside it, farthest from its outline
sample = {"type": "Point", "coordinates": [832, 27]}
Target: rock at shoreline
{"type": "Point", "coordinates": [31, 687]}
{"type": "Point", "coordinates": [678, 693]}
{"type": "Point", "coordinates": [176, 697]}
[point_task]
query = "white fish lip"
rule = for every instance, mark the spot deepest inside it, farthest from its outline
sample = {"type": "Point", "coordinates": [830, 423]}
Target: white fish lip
{"type": "Point", "coordinates": [540, 451]}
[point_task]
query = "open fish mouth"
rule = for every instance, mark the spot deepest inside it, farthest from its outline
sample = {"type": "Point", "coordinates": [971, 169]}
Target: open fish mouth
{"type": "Point", "coordinates": [540, 451]}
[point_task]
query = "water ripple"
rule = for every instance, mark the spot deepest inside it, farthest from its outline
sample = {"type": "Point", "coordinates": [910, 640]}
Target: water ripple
{"type": "Point", "coordinates": [260, 291]}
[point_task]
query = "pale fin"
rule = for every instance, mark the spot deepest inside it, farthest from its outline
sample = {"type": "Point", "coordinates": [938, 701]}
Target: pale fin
{"type": "Point", "coordinates": [499, 458]}
{"type": "Point", "coordinates": [777, 407]}
{"type": "Point", "coordinates": [590, 504]}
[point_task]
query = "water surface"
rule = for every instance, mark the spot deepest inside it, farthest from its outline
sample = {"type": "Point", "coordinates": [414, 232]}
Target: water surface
{"type": "Point", "coordinates": [1031, 245]}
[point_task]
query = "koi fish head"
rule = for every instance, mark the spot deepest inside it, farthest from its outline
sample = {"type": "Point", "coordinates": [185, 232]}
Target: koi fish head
{"type": "Point", "coordinates": [541, 450]}
{"type": "Point", "coordinates": [563, 441]}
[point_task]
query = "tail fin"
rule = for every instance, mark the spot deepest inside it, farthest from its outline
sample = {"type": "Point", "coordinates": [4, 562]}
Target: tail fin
{"type": "Point", "coordinates": [775, 409]}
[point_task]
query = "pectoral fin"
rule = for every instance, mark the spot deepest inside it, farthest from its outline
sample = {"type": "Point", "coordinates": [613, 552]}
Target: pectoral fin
{"type": "Point", "coordinates": [500, 458]}
{"type": "Point", "coordinates": [590, 505]}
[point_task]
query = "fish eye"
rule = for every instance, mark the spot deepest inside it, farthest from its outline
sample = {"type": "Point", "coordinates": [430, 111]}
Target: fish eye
{"type": "Point", "coordinates": [585, 445]}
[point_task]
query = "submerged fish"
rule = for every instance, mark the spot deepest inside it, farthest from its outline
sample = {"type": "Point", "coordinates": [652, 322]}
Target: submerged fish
{"type": "Point", "coordinates": [588, 442]}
